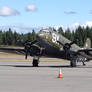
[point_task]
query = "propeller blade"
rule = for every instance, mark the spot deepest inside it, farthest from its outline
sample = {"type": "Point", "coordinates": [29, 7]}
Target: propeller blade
{"type": "Point", "coordinates": [33, 42]}
{"type": "Point", "coordinates": [26, 51]}
{"type": "Point", "coordinates": [61, 43]}
{"type": "Point", "coordinates": [26, 56]}
{"type": "Point", "coordinates": [72, 43]}
{"type": "Point", "coordinates": [28, 46]}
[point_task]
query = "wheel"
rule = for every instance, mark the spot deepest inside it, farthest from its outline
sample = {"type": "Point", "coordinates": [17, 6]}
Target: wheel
{"type": "Point", "coordinates": [73, 63]}
{"type": "Point", "coordinates": [35, 61]}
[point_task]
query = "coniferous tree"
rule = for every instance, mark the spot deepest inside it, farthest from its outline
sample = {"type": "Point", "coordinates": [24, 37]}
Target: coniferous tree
{"type": "Point", "coordinates": [1, 34]}
{"type": "Point", "coordinates": [13, 38]}
{"type": "Point", "coordinates": [68, 34]}
{"type": "Point", "coordinates": [60, 31]}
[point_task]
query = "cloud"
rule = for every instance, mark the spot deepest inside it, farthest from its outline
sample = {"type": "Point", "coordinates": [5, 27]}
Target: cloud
{"type": "Point", "coordinates": [70, 12]}
{"type": "Point", "coordinates": [75, 25]}
{"type": "Point", "coordinates": [24, 29]}
{"type": "Point", "coordinates": [7, 11]}
{"type": "Point", "coordinates": [90, 12]}
{"type": "Point", "coordinates": [88, 23]}
{"type": "Point", "coordinates": [31, 8]}
{"type": "Point", "coordinates": [20, 28]}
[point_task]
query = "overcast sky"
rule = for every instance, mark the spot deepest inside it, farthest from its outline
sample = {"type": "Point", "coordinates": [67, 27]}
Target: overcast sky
{"type": "Point", "coordinates": [39, 13]}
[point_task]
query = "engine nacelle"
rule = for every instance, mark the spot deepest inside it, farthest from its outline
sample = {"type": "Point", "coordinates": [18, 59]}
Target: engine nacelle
{"type": "Point", "coordinates": [35, 50]}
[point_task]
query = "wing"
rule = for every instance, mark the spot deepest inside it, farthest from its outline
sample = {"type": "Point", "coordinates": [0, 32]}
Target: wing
{"type": "Point", "coordinates": [19, 50]}
{"type": "Point", "coordinates": [86, 53]}
{"type": "Point", "coordinates": [86, 50]}
{"type": "Point", "coordinates": [28, 46]}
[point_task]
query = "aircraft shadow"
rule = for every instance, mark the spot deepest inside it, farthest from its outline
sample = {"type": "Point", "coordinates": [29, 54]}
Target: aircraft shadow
{"type": "Point", "coordinates": [52, 66]}
{"type": "Point", "coordinates": [67, 66]}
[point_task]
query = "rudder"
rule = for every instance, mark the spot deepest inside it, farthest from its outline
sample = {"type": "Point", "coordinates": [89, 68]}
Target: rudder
{"type": "Point", "coordinates": [87, 43]}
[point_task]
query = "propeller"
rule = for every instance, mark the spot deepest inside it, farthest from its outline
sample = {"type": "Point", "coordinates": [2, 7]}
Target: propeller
{"type": "Point", "coordinates": [67, 47]}
{"type": "Point", "coordinates": [28, 47]}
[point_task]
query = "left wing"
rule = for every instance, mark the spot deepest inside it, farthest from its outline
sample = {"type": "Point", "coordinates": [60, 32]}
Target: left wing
{"type": "Point", "coordinates": [86, 53]}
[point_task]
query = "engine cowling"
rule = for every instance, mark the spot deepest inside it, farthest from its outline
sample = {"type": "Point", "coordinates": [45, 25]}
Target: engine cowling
{"type": "Point", "coordinates": [35, 50]}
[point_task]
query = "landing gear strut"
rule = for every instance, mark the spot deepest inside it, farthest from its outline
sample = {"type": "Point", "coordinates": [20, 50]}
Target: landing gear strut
{"type": "Point", "coordinates": [82, 59]}
{"type": "Point", "coordinates": [73, 62]}
{"type": "Point", "coordinates": [35, 61]}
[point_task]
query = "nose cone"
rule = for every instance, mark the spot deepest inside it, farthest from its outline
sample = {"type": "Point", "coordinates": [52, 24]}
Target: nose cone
{"type": "Point", "coordinates": [45, 34]}
{"type": "Point", "coordinates": [41, 34]}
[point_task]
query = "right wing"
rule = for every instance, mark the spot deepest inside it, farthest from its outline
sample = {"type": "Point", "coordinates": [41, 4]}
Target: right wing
{"type": "Point", "coordinates": [19, 50]}
{"type": "Point", "coordinates": [30, 48]}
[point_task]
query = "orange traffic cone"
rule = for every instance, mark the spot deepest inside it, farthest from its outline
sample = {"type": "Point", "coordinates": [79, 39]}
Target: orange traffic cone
{"type": "Point", "coordinates": [60, 74]}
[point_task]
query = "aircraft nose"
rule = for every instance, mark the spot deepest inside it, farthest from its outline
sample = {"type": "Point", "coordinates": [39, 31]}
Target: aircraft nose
{"type": "Point", "coordinates": [41, 34]}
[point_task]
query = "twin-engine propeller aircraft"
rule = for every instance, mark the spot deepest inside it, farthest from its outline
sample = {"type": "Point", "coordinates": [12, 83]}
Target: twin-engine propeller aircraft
{"type": "Point", "coordinates": [49, 43]}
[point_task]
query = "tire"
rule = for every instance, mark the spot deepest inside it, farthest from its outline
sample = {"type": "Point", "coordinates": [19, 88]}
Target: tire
{"type": "Point", "coordinates": [73, 63]}
{"type": "Point", "coordinates": [35, 62]}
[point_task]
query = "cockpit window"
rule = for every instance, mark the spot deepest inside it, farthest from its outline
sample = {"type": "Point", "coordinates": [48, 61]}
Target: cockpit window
{"type": "Point", "coordinates": [46, 31]}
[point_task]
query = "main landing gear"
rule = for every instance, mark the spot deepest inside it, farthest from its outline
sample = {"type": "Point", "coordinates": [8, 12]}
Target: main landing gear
{"type": "Point", "coordinates": [35, 61]}
{"type": "Point", "coordinates": [73, 61]}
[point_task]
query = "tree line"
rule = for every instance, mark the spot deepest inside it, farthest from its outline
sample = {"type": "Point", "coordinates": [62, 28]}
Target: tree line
{"type": "Point", "coordinates": [11, 38]}
{"type": "Point", "coordinates": [16, 39]}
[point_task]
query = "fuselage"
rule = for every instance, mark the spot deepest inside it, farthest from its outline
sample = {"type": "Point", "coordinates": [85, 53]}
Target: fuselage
{"type": "Point", "coordinates": [48, 39]}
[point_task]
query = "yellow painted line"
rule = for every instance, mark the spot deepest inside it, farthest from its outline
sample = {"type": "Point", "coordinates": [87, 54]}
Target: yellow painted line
{"type": "Point", "coordinates": [30, 60]}
{"type": "Point", "coordinates": [15, 60]}
{"type": "Point", "coordinates": [22, 58]}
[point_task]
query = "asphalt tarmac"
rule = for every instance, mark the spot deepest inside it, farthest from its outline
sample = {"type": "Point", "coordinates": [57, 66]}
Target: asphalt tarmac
{"type": "Point", "coordinates": [22, 77]}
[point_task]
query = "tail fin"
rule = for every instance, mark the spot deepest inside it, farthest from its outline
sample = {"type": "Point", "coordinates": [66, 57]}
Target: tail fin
{"type": "Point", "coordinates": [87, 43]}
